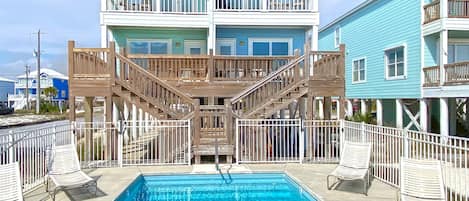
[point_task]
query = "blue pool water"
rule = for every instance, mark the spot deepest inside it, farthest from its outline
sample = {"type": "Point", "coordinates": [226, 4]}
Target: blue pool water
{"type": "Point", "coordinates": [235, 187]}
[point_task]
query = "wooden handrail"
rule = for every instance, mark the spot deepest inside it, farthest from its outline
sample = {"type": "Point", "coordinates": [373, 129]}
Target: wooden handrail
{"type": "Point", "coordinates": [156, 79]}
{"type": "Point", "coordinates": [271, 77]}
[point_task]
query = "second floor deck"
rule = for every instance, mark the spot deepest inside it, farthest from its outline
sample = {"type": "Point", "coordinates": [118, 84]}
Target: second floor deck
{"type": "Point", "coordinates": [445, 15]}
{"type": "Point", "coordinates": [201, 13]}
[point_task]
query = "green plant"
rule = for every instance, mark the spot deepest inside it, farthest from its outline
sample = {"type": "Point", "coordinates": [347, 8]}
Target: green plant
{"type": "Point", "coordinates": [50, 92]}
{"type": "Point", "coordinates": [367, 118]}
{"type": "Point", "coordinates": [47, 108]}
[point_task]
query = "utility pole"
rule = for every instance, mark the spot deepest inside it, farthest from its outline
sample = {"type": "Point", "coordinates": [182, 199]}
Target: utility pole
{"type": "Point", "coordinates": [27, 85]}
{"type": "Point", "coordinates": [38, 79]}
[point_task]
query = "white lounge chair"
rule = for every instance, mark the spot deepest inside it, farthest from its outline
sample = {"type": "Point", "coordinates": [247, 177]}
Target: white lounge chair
{"type": "Point", "coordinates": [421, 180]}
{"type": "Point", "coordinates": [10, 186]}
{"type": "Point", "coordinates": [64, 170]}
{"type": "Point", "coordinates": [354, 164]}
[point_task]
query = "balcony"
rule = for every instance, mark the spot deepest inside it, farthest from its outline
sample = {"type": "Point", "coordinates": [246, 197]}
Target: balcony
{"type": "Point", "coordinates": [455, 74]}
{"type": "Point", "coordinates": [456, 9]}
{"type": "Point", "coordinates": [201, 6]}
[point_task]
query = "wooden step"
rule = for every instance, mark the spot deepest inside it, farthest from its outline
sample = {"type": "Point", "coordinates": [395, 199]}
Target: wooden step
{"type": "Point", "coordinates": [209, 150]}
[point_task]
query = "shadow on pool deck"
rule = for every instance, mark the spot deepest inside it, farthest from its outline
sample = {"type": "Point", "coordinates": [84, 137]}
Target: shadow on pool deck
{"type": "Point", "coordinates": [112, 181]}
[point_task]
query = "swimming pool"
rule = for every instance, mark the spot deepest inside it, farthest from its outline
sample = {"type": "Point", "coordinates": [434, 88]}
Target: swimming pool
{"type": "Point", "coordinates": [236, 187]}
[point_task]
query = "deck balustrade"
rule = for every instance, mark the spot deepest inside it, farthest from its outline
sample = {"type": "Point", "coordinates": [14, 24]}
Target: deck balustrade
{"type": "Point", "coordinates": [456, 9]}
{"type": "Point", "coordinates": [201, 6]}
{"type": "Point", "coordinates": [455, 74]}
{"type": "Point", "coordinates": [209, 67]}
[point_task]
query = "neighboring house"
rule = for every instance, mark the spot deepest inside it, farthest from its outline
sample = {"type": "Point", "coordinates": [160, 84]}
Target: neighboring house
{"type": "Point", "coordinates": [6, 87]}
{"type": "Point", "coordinates": [49, 78]}
{"type": "Point", "coordinates": [228, 27]}
{"type": "Point", "coordinates": [408, 59]}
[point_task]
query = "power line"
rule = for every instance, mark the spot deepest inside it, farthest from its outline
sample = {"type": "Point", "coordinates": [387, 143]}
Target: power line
{"type": "Point", "coordinates": [38, 79]}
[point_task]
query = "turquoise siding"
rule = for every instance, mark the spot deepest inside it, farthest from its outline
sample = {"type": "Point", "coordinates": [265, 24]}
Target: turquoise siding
{"type": "Point", "coordinates": [242, 34]}
{"type": "Point", "coordinates": [176, 35]}
{"type": "Point", "coordinates": [367, 33]}
{"type": "Point", "coordinates": [431, 50]}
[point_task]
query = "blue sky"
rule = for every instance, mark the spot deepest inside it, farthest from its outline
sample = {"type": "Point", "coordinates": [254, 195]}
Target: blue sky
{"type": "Point", "coordinates": [62, 20]}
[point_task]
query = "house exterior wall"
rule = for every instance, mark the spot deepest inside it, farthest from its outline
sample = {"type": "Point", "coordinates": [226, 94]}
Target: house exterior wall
{"type": "Point", "coordinates": [367, 33]}
{"type": "Point", "coordinates": [242, 35]}
{"type": "Point", "coordinates": [5, 89]}
{"type": "Point", "coordinates": [177, 36]}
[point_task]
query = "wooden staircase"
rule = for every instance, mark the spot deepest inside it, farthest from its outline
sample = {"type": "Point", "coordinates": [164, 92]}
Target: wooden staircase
{"type": "Point", "coordinates": [274, 92]}
{"type": "Point", "coordinates": [103, 72]}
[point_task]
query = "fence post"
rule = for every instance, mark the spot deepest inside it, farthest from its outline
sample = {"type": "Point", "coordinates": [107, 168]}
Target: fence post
{"type": "Point", "coordinates": [119, 143]}
{"type": "Point", "coordinates": [54, 136]}
{"type": "Point", "coordinates": [362, 131]}
{"type": "Point", "coordinates": [405, 135]}
{"type": "Point", "coordinates": [341, 133]}
{"type": "Point", "coordinates": [11, 149]}
{"type": "Point", "coordinates": [210, 66]}
{"type": "Point", "coordinates": [189, 142]}
{"type": "Point", "coordinates": [302, 141]}
{"type": "Point", "coordinates": [237, 141]}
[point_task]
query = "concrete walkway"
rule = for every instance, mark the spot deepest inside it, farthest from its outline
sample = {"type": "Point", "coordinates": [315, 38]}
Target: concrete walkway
{"type": "Point", "coordinates": [112, 181]}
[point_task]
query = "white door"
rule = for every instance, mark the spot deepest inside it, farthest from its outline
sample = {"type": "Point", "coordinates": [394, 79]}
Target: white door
{"type": "Point", "coordinates": [194, 47]}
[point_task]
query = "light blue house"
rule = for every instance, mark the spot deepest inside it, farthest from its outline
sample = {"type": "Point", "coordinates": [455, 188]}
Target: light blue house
{"type": "Point", "coordinates": [6, 87]}
{"type": "Point", "coordinates": [389, 45]}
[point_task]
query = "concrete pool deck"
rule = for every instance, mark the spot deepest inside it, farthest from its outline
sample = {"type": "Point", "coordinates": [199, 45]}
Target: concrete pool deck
{"type": "Point", "coordinates": [112, 181]}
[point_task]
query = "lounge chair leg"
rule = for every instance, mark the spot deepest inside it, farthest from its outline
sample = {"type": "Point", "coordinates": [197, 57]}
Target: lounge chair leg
{"type": "Point", "coordinates": [53, 195]}
{"type": "Point", "coordinates": [47, 184]}
{"type": "Point", "coordinates": [364, 187]}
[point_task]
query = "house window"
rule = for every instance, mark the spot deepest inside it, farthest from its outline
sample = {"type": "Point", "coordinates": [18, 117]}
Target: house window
{"type": "Point", "coordinates": [337, 37]}
{"type": "Point", "coordinates": [359, 70]}
{"type": "Point", "coordinates": [149, 46]}
{"type": "Point", "coordinates": [395, 63]}
{"type": "Point", "coordinates": [226, 46]}
{"type": "Point", "coordinates": [458, 52]}
{"type": "Point", "coordinates": [270, 46]}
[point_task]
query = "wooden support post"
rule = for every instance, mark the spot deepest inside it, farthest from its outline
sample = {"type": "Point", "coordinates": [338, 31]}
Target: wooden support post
{"type": "Point", "coordinates": [196, 126]}
{"type": "Point", "coordinates": [307, 64]}
{"type": "Point", "coordinates": [297, 67]}
{"type": "Point", "coordinates": [71, 105]}
{"type": "Point", "coordinates": [341, 67]}
{"type": "Point", "coordinates": [379, 112]}
{"type": "Point", "coordinates": [399, 114]}
{"type": "Point", "coordinates": [452, 105]}
{"type": "Point", "coordinates": [444, 117]}
{"type": "Point", "coordinates": [423, 115]}
{"type": "Point", "coordinates": [341, 107]}
{"type": "Point", "coordinates": [229, 127]}
{"type": "Point", "coordinates": [327, 107]}
{"type": "Point", "coordinates": [88, 106]}
{"type": "Point", "coordinates": [210, 66]}
{"type": "Point", "coordinates": [112, 62]}
{"type": "Point", "coordinates": [309, 107]}
{"type": "Point", "coordinates": [363, 107]}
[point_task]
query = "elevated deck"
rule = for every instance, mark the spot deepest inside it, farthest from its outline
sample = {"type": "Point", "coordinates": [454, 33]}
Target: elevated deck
{"type": "Point", "coordinates": [209, 90]}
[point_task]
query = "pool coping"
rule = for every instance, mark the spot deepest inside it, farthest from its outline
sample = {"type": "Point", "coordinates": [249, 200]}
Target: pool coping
{"type": "Point", "coordinates": [290, 176]}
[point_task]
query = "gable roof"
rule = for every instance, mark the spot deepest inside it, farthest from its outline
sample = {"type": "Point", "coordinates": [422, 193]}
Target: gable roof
{"type": "Point", "coordinates": [347, 14]}
{"type": "Point", "coordinates": [51, 73]}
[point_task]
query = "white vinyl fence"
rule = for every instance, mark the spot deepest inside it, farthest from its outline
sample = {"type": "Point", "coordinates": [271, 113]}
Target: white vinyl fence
{"type": "Point", "coordinates": [29, 148]}
{"type": "Point", "coordinates": [257, 141]}
{"type": "Point", "coordinates": [161, 142]}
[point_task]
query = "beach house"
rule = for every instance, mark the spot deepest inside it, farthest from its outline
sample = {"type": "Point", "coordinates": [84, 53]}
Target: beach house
{"type": "Point", "coordinates": [412, 71]}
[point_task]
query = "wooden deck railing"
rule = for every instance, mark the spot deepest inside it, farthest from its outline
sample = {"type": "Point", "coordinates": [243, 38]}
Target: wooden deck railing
{"type": "Point", "coordinates": [455, 74]}
{"type": "Point", "coordinates": [152, 89]}
{"type": "Point", "coordinates": [281, 80]}
{"type": "Point", "coordinates": [209, 67]}
{"type": "Point", "coordinates": [432, 11]}
{"type": "Point", "coordinates": [89, 61]}
{"type": "Point", "coordinates": [432, 76]}
{"type": "Point", "coordinates": [456, 9]}
{"type": "Point", "coordinates": [264, 5]}
{"type": "Point", "coordinates": [328, 65]}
